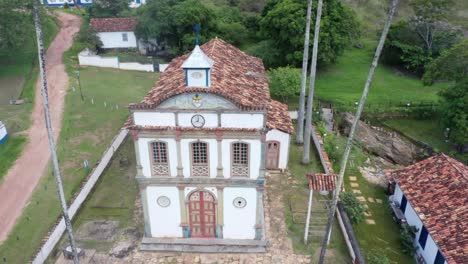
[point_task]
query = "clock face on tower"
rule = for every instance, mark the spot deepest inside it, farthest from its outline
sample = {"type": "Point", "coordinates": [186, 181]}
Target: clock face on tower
{"type": "Point", "coordinates": [198, 121]}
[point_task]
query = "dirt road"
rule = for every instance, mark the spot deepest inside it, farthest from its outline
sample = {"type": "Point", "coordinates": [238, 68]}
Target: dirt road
{"type": "Point", "coordinates": [22, 178]}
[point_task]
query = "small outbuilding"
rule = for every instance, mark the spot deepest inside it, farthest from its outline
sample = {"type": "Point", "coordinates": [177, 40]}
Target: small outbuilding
{"type": "Point", "coordinates": [433, 196]}
{"type": "Point", "coordinates": [116, 32]}
{"type": "Point", "coordinates": [3, 133]}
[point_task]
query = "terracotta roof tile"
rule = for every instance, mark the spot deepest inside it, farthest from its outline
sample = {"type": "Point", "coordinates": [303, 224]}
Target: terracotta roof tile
{"type": "Point", "coordinates": [279, 118]}
{"type": "Point", "coordinates": [322, 182]}
{"type": "Point", "coordinates": [437, 188]}
{"type": "Point", "coordinates": [235, 76]}
{"type": "Point", "coordinates": [114, 24]}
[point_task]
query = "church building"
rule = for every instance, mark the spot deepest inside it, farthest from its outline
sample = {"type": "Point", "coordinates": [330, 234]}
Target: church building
{"type": "Point", "coordinates": [204, 136]}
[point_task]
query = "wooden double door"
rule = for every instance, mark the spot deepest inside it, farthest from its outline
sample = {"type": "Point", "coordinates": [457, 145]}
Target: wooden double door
{"type": "Point", "coordinates": [202, 213]}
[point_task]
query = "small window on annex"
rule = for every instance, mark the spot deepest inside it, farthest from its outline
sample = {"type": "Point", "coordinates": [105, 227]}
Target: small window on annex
{"type": "Point", "coordinates": [199, 151]}
{"type": "Point", "coordinates": [240, 160]}
{"type": "Point", "coordinates": [124, 37]}
{"type": "Point", "coordinates": [160, 160]}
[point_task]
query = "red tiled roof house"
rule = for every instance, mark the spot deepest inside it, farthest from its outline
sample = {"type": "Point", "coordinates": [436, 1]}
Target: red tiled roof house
{"type": "Point", "coordinates": [433, 195]}
{"type": "Point", "coordinates": [116, 32]}
{"type": "Point", "coordinates": [204, 136]}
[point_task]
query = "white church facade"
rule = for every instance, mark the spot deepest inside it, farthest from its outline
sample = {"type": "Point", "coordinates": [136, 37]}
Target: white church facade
{"type": "Point", "coordinates": [204, 137]}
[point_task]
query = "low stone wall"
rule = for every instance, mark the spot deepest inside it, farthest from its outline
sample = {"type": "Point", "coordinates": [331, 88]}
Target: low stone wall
{"type": "Point", "coordinates": [53, 237]}
{"type": "Point", "coordinates": [87, 58]}
{"type": "Point", "coordinates": [343, 220]}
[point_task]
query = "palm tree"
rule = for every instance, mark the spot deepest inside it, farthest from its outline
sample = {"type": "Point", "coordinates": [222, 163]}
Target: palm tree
{"type": "Point", "coordinates": [305, 59]}
{"type": "Point", "coordinates": [310, 98]}
{"type": "Point", "coordinates": [344, 161]}
{"type": "Point", "coordinates": [45, 102]}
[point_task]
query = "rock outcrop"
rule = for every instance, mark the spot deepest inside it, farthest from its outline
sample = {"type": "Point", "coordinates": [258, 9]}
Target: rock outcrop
{"type": "Point", "coordinates": [380, 142]}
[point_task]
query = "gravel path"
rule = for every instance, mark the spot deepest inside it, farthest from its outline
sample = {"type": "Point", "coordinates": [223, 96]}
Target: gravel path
{"type": "Point", "coordinates": [22, 178]}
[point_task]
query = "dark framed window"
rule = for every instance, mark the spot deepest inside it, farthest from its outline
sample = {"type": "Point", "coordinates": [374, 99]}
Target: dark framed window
{"type": "Point", "coordinates": [403, 203]}
{"type": "Point", "coordinates": [199, 151]}
{"type": "Point", "coordinates": [423, 237]}
{"type": "Point", "coordinates": [440, 259]}
{"type": "Point", "coordinates": [240, 159]}
{"type": "Point", "coordinates": [124, 37]}
{"type": "Point", "coordinates": [159, 159]}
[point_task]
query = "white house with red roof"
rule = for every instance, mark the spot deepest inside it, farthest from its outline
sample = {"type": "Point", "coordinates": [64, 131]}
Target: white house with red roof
{"type": "Point", "coordinates": [204, 136]}
{"type": "Point", "coordinates": [433, 195]}
{"type": "Point", "coordinates": [116, 32]}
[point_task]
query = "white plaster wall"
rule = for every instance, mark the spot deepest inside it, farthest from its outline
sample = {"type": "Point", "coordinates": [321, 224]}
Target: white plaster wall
{"type": "Point", "coordinates": [135, 66]}
{"type": "Point", "coordinates": [242, 120]}
{"type": "Point", "coordinates": [145, 158]}
{"type": "Point", "coordinates": [254, 156]}
{"type": "Point", "coordinates": [164, 221]}
{"type": "Point", "coordinates": [239, 223]}
{"type": "Point", "coordinates": [98, 61]}
{"type": "Point", "coordinates": [154, 119]}
{"type": "Point", "coordinates": [430, 250]}
{"type": "Point", "coordinates": [284, 139]}
{"type": "Point", "coordinates": [185, 119]}
{"type": "Point", "coordinates": [212, 155]}
{"type": "Point", "coordinates": [196, 82]}
{"type": "Point", "coordinates": [114, 40]}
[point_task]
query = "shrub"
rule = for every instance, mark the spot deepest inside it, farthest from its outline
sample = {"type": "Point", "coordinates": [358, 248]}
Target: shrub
{"type": "Point", "coordinates": [377, 258]}
{"type": "Point", "coordinates": [90, 38]}
{"type": "Point", "coordinates": [66, 6]}
{"type": "Point", "coordinates": [284, 82]}
{"type": "Point", "coordinates": [407, 236]}
{"type": "Point", "coordinates": [353, 207]}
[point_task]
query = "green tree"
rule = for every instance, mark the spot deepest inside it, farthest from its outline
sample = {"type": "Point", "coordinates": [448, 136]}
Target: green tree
{"type": "Point", "coordinates": [414, 43]}
{"type": "Point", "coordinates": [283, 21]}
{"type": "Point", "coordinates": [284, 82]}
{"type": "Point", "coordinates": [452, 65]}
{"type": "Point", "coordinates": [109, 8]}
{"type": "Point", "coordinates": [172, 21]}
{"type": "Point", "coordinates": [15, 25]}
{"type": "Point", "coordinates": [407, 236]}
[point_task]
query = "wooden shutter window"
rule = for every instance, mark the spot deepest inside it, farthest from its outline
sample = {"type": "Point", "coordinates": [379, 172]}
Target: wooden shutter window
{"type": "Point", "coordinates": [160, 161]}
{"type": "Point", "coordinates": [240, 160]}
{"type": "Point", "coordinates": [200, 166]}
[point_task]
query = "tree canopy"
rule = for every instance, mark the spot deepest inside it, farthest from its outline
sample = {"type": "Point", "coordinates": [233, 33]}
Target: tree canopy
{"type": "Point", "coordinates": [109, 8]}
{"type": "Point", "coordinates": [452, 65]}
{"type": "Point", "coordinates": [283, 22]}
{"type": "Point", "coordinates": [284, 82]}
{"type": "Point", "coordinates": [172, 22]}
{"type": "Point", "coordinates": [414, 43]}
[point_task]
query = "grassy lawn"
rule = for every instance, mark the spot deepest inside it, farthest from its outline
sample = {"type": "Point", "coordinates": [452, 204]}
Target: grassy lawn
{"type": "Point", "coordinates": [342, 83]}
{"type": "Point", "coordinates": [118, 178]}
{"type": "Point", "coordinates": [87, 130]}
{"type": "Point", "coordinates": [430, 132]}
{"type": "Point", "coordinates": [384, 237]}
{"type": "Point", "coordinates": [296, 199]}
{"type": "Point", "coordinates": [9, 151]}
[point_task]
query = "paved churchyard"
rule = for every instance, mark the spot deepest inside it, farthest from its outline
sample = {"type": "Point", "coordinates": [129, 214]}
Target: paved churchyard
{"type": "Point", "coordinates": [280, 250]}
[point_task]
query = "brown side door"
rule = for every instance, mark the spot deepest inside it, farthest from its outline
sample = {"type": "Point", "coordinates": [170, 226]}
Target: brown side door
{"type": "Point", "coordinates": [272, 155]}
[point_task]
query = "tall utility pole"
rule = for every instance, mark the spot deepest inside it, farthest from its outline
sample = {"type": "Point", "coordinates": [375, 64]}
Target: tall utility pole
{"type": "Point", "coordinates": [305, 59]}
{"type": "Point", "coordinates": [344, 161]}
{"type": "Point", "coordinates": [310, 97]}
{"type": "Point", "coordinates": [50, 135]}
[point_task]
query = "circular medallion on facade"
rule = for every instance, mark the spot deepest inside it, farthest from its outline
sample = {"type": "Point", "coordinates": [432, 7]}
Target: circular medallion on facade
{"type": "Point", "coordinates": [196, 75]}
{"type": "Point", "coordinates": [239, 202]}
{"type": "Point", "coordinates": [163, 201]}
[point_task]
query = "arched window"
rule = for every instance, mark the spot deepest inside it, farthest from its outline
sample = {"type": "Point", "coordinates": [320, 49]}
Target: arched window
{"type": "Point", "coordinates": [159, 159]}
{"type": "Point", "coordinates": [200, 167]}
{"type": "Point", "coordinates": [240, 160]}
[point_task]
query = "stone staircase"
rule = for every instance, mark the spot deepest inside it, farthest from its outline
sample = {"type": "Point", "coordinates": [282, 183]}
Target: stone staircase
{"type": "Point", "coordinates": [318, 218]}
